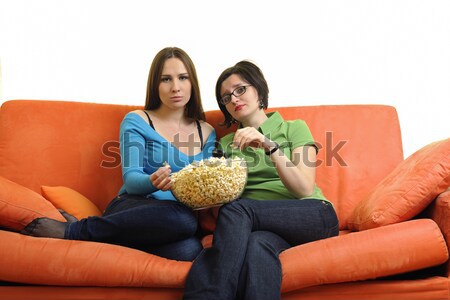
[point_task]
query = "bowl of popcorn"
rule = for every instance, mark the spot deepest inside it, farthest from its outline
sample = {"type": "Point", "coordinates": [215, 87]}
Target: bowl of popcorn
{"type": "Point", "coordinates": [210, 182]}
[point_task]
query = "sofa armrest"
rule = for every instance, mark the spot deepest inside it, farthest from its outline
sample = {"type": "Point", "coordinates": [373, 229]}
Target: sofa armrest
{"type": "Point", "coordinates": [439, 211]}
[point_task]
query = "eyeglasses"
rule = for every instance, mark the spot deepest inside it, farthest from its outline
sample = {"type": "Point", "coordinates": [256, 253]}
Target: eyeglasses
{"type": "Point", "coordinates": [240, 90]}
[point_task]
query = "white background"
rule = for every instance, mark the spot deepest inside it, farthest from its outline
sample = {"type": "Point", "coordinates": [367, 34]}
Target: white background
{"type": "Point", "coordinates": [394, 52]}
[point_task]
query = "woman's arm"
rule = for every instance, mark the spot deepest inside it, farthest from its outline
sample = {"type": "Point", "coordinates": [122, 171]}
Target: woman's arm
{"type": "Point", "coordinates": [298, 174]}
{"type": "Point", "coordinates": [132, 147]}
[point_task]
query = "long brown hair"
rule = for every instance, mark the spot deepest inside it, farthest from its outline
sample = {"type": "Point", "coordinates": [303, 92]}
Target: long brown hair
{"type": "Point", "coordinates": [194, 108]}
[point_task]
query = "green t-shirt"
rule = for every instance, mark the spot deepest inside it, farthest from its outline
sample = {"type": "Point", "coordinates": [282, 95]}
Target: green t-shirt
{"type": "Point", "coordinates": [263, 182]}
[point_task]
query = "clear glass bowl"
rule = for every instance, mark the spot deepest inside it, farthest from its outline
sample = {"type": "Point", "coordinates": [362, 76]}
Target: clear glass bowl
{"type": "Point", "coordinates": [210, 182]}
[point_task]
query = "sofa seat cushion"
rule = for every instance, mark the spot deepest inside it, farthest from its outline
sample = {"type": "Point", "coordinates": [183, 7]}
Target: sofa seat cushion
{"type": "Point", "coordinates": [369, 254]}
{"type": "Point", "coordinates": [361, 255]}
{"type": "Point", "coordinates": [20, 205]}
{"type": "Point", "coordinates": [58, 262]}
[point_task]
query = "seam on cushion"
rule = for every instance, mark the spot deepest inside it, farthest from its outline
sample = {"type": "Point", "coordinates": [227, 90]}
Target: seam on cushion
{"type": "Point", "coordinates": [426, 196]}
{"type": "Point", "coordinates": [438, 162]}
{"type": "Point", "coordinates": [23, 208]}
{"type": "Point", "coordinates": [440, 237]}
{"type": "Point", "coordinates": [406, 193]}
{"type": "Point", "coordinates": [141, 283]}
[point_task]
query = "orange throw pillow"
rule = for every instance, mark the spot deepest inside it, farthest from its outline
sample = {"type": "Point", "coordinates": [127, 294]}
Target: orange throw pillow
{"type": "Point", "coordinates": [20, 205]}
{"type": "Point", "coordinates": [407, 190]}
{"type": "Point", "coordinates": [70, 201]}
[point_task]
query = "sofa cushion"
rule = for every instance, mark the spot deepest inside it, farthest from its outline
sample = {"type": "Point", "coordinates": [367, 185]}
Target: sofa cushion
{"type": "Point", "coordinates": [369, 254]}
{"type": "Point", "coordinates": [70, 201]}
{"type": "Point", "coordinates": [20, 205]}
{"type": "Point", "coordinates": [407, 190]}
{"type": "Point", "coordinates": [59, 262]}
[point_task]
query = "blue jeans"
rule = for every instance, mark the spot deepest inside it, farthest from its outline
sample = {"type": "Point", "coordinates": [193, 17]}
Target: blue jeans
{"type": "Point", "coordinates": [164, 228]}
{"type": "Point", "coordinates": [243, 261]}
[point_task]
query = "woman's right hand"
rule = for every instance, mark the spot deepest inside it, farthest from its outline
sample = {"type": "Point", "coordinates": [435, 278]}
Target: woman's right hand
{"type": "Point", "coordinates": [161, 178]}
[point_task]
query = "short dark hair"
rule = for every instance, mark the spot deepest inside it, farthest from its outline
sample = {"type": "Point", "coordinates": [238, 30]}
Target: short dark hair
{"type": "Point", "coordinates": [250, 73]}
{"type": "Point", "coordinates": [194, 108]}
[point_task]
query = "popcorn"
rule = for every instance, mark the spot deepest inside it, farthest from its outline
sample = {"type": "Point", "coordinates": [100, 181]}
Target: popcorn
{"type": "Point", "coordinates": [210, 182]}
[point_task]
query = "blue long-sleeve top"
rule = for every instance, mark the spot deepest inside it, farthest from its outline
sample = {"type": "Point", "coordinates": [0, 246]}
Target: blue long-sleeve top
{"type": "Point", "coordinates": [143, 151]}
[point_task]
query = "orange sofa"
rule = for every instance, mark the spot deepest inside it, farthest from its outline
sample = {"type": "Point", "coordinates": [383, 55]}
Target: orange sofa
{"type": "Point", "coordinates": [394, 213]}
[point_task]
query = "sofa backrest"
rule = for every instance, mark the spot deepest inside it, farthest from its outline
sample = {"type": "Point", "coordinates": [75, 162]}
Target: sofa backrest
{"type": "Point", "coordinates": [75, 144]}
{"type": "Point", "coordinates": [62, 143]}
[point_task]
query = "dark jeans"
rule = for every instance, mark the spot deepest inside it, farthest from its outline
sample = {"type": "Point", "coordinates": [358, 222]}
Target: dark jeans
{"type": "Point", "coordinates": [165, 228]}
{"type": "Point", "coordinates": [243, 261]}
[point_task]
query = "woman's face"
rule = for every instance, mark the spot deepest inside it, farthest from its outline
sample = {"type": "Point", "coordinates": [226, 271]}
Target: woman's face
{"type": "Point", "coordinates": [175, 85]}
{"type": "Point", "coordinates": [242, 106]}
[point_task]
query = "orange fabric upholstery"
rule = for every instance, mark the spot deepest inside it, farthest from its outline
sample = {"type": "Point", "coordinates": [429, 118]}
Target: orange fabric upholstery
{"type": "Point", "coordinates": [345, 258]}
{"type": "Point", "coordinates": [70, 201]}
{"type": "Point", "coordinates": [63, 144]}
{"type": "Point", "coordinates": [75, 145]}
{"type": "Point", "coordinates": [407, 190]}
{"type": "Point", "coordinates": [79, 263]}
{"type": "Point", "coordinates": [20, 205]}
{"type": "Point", "coordinates": [342, 259]}
{"type": "Point", "coordinates": [439, 211]}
